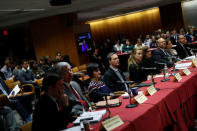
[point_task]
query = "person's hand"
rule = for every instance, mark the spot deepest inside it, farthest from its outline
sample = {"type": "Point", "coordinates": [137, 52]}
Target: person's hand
{"type": "Point", "coordinates": [64, 99]}
{"type": "Point", "coordinates": [149, 77]}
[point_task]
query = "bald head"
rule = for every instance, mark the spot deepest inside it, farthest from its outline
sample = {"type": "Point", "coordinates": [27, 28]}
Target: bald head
{"type": "Point", "coordinates": [182, 39]}
{"type": "Point", "coordinates": [161, 43]}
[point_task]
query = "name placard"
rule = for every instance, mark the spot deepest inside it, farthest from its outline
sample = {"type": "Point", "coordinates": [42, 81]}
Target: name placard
{"type": "Point", "coordinates": [186, 72]}
{"type": "Point", "coordinates": [194, 62]}
{"type": "Point", "coordinates": [141, 98]}
{"type": "Point", "coordinates": [151, 90]}
{"type": "Point", "coordinates": [112, 123]}
{"type": "Point", "coordinates": [177, 77]}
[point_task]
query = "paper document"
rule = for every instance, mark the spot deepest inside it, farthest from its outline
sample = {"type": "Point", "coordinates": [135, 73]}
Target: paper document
{"type": "Point", "coordinates": [92, 117]}
{"type": "Point", "coordinates": [190, 58]}
{"type": "Point", "coordinates": [183, 65]}
{"type": "Point", "coordinates": [15, 91]}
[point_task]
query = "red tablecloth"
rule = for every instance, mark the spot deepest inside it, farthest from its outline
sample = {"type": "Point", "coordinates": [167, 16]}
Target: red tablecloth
{"type": "Point", "coordinates": [174, 106]}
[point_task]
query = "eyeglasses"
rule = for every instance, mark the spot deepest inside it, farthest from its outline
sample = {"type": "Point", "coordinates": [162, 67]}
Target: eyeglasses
{"type": "Point", "coordinates": [67, 71]}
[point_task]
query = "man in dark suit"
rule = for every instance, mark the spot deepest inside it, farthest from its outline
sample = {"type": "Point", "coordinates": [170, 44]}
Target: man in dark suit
{"type": "Point", "coordinates": [161, 55]}
{"type": "Point", "coordinates": [182, 48]}
{"type": "Point", "coordinates": [72, 89]}
{"type": "Point", "coordinates": [52, 112]}
{"type": "Point", "coordinates": [113, 76]}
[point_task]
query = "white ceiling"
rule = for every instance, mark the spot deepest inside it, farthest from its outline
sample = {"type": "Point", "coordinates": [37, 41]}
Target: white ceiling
{"type": "Point", "coordinates": [20, 11]}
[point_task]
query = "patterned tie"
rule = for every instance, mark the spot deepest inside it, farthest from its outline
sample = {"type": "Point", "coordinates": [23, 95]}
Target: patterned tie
{"type": "Point", "coordinates": [78, 97]}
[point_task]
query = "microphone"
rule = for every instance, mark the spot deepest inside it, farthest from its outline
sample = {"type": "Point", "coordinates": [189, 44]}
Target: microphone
{"type": "Point", "coordinates": [157, 62]}
{"type": "Point", "coordinates": [149, 68]}
{"type": "Point", "coordinates": [126, 82]}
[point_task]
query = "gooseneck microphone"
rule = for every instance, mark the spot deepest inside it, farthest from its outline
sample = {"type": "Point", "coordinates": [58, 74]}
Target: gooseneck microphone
{"type": "Point", "coordinates": [130, 105]}
{"type": "Point", "coordinates": [148, 68]}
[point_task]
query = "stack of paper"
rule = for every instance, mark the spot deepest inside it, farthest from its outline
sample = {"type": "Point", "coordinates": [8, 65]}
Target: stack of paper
{"type": "Point", "coordinates": [190, 58]}
{"type": "Point", "coordinates": [183, 65]}
{"type": "Point", "coordinates": [92, 117]}
{"type": "Point", "coordinates": [112, 103]}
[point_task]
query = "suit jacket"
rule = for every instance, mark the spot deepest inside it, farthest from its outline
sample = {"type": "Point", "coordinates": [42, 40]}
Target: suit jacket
{"type": "Point", "coordinates": [160, 56]}
{"type": "Point", "coordinates": [111, 80]}
{"type": "Point", "coordinates": [47, 116]}
{"type": "Point", "coordinates": [26, 77]}
{"type": "Point", "coordinates": [137, 74]}
{"type": "Point", "coordinates": [77, 107]}
{"type": "Point", "coordinates": [174, 39]}
{"type": "Point", "coordinates": [181, 52]}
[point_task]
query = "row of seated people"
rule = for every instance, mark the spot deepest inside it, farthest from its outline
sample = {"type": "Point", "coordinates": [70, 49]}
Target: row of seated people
{"type": "Point", "coordinates": [76, 102]}
{"type": "Point", "coordinates": [111, 77]}
{"type": "Point", "coordinates": [124, 45]}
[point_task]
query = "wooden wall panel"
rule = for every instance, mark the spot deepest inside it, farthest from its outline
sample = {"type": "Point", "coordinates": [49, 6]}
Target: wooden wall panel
{"type": "Point", "coordinates": [172, 16]}
{"type": "Point", "coordinates": [131, 25]}
{"type": "Point", "coordinates": [51, 35]}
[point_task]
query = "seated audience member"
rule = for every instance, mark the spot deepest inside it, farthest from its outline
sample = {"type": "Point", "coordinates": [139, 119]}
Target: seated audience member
{"type": "Point", "coordinates": [52, 68]}
{"type": "Point", "coordinates": [95, 58]}
{"type": "Point", "coordinates": [153, 43]}
{"type": "Point", "coordinates": [16, 72]}
{"type": "Point", "coordinates": [161, 55]}
{"type": "Point", "coordinates": [118, 47]}
{"type": "Point", "coordinates": [21, 103]}
{"type": "Point", "coordinates": [172, 51]}
{"type": "Point", "coordinates": [38, 73]}
{"type": "Point", "coordinates": [76, 98]}
{"type": "Point", "coordinates": [174, 37]}
{"type": "Point", "coordinates": [136, 73]}
{"type": "Point", "coordinates": [97, 89]}
{"type": "Point", "coordinates": [52, 112]}
{"type": "Point", "coordinates": [26, 76]}
{"type": "Point", "coordinates": [58, 56]}
{"type": "Point", "coordinates": [113, 76]}
{"type": "Point", "coordinates": [127, 47]}
{"type": "Point", "coordinates": [10, 121]}
{"type": "Point", "coordinates": [182, 47]}
{"type": "Point", "coordinates": [6, 70]}
{"type": "Point", "coordinates": [148, 61]}
{"type": "Point", "coordinates": [147, 41]}
{"type": "Point", "coordinates": [139, 44]}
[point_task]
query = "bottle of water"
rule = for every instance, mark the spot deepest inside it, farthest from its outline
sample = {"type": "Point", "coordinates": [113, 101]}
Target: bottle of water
{"type": "Point", "coordinates": [165, 70]}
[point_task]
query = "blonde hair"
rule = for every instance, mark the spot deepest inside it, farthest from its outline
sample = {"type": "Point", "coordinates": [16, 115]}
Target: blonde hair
{"type": "Point", "coordinates": [131, 59]}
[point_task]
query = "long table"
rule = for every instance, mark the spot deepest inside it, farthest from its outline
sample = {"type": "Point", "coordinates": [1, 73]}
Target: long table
{"type": "Point", "coordinates": [173, 107]}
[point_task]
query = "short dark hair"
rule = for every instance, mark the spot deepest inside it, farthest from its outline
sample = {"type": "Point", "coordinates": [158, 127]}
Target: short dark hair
{"type": "Point", "coordinates": [50, 79]}
{"type": "Point", "coordinates": [91, 68]}
{"type": "Point", "coordinates": [109, 55]}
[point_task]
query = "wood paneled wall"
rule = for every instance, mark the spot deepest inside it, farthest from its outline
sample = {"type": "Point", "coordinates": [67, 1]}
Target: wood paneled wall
{"type": "Point", "coordinates": [53, 34]}
{"type": "Point", "coordinates": [172, 16]}
{"type": "Point", "coordinates": [131, 25]}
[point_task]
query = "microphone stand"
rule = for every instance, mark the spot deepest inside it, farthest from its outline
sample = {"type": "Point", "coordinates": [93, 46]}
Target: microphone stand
{"type": "Point", "coordinates": [107, 108]}
{"type": "Point", "coordinates": [130, 105]}
{"type": "Point", "coordinates": [153, 81]}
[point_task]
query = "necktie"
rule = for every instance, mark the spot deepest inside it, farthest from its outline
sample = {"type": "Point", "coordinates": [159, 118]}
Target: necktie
{"type": "Point", "coordinates": [78, 97]}
{"type": "Point", "coordinates": [186, 53]}
{"type": "Point", "coordinates": [120, 76]}
{"type": "Point", "coordinates": [59, 105]}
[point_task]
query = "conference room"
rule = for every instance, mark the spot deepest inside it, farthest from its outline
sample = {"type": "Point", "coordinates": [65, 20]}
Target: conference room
{"type": "Point", "coordinates": [132, 63]}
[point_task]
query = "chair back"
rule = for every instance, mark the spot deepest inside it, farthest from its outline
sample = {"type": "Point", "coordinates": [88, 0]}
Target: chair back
{"type": "Point", "coordinates": [26, 127]}
{"type": "Point", "coordinates": [13, 84]}
{"type": "Point", "coordinates": [75, 69]}
{"type": "Point", "coordinates": [82, 67]}
{"type": "Point", "coordinates": [9, 81]}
